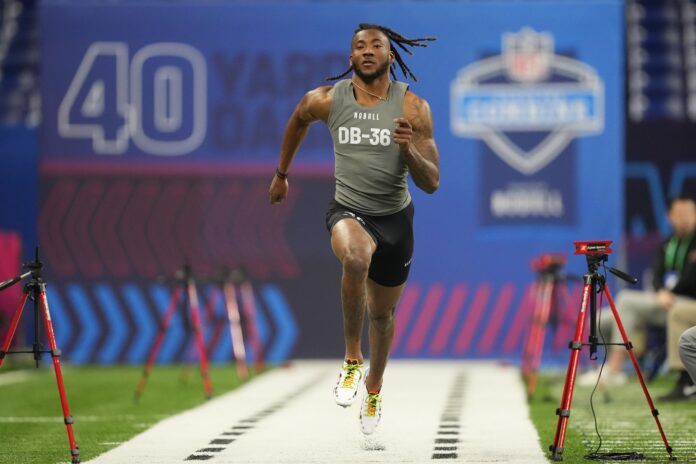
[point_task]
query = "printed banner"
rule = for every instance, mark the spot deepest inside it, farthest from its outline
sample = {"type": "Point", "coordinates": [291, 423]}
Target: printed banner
{"type": "Point", "coordinates": [162, 127]}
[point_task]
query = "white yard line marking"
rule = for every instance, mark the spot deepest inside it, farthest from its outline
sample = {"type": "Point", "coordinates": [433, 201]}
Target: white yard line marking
{"type": "Point", "coordinates": [495, 422]}
{"type": "Point", "coordinates": [78, 419]}
{"type": "Point", "coordinates": [14, 377]}
{"type": "Point", "coordinates": [175, 438]}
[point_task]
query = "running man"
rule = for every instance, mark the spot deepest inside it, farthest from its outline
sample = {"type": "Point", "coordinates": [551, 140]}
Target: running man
{"type": "Point", "coordinates": [381, 132]}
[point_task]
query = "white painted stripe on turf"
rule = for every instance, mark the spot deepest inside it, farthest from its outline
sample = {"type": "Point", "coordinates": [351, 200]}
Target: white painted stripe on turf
{"type": "Point", "coordinates": [14, 377]}
{"type": "Point", "coordinates": [495, 418]}
{"type": "Point", "coordinates": [30, 420]}
{"type": "Point", "coordinates": [312, 429]}
{"type": "Point", "coordinates": [59, 419]}
{"type": "Point", "coordinates": [175, 438]}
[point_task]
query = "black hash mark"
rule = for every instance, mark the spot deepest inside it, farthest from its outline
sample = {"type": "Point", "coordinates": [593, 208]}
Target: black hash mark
{"type": "Point", "coordinates": [444, 455]}
{"type": "Point", "coordinates": [449, 422]}
{"type": "Point", "coordinates": [245, 425]}
{"type": "Point", "coordinates": [222, 441]}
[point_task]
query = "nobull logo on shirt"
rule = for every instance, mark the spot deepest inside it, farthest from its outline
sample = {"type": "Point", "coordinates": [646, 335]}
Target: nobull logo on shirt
{"type": "Point", "coordinates": [527, 89]}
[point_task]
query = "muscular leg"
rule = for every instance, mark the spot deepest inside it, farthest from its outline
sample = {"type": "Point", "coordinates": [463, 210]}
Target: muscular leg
{"type": "Point", "coordinates": [687, 351]}
{"type": "Point", "coordinates": [354, 247]}
{"type": "Point", "coordinates": [381, 303]}
{"type": "Point", "coordinates": [680, 317]}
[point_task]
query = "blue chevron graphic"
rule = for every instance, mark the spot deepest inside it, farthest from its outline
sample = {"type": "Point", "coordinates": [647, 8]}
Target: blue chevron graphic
{"type": "Point", "coordinates": [649, 173]}
{"type": "Point", "coordinates": [223, 350]}
{"type": "Point", "coordinates": [286, 328]}
{"type": "Point", "coordinates": [262, 324]}
{"type": "Point", "coordinates": [638, 227]}
{"type": "Point", "coordinates": [680, 173]}
{"type": "Point", "coordinates": [262, 327]}
{"type": "Point", "coordinates": [76, 323]}
{"type": "Point", "coordinates": [62, 327]}
{"type": "Point", "coordinates": [117, 329]}
{"type": "Point", "coordinates": [88, 337]}
{"type": "Point", "coordinates": [190, 354]}
{"type": "Point", "coordinates": [146, 327]}
{"type": "Point", "coordinates": [175, 333]}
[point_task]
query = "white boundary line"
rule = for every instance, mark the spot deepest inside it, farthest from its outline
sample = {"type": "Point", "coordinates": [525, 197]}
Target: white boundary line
{"type": "Point", "coordinates": [288, 416]}
{"type": "Point", "coordinates": [14, 377]}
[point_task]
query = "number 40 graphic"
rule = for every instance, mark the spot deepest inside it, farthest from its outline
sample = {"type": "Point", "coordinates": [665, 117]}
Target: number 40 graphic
{"type": "Point", "coordinates": [158, 100]}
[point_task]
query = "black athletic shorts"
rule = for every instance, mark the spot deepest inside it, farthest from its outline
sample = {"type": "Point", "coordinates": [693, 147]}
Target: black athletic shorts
{"type": "Point", "coordinates": [393, 235]}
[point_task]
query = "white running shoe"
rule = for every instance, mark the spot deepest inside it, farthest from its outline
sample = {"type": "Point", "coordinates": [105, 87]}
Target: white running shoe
{"type": "Point", "coordinates": [370, 412]}
{"type": "Point", "coordinates": [351, 377]}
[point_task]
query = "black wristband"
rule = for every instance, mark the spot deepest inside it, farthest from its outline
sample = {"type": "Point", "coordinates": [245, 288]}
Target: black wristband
{"type": "Point", "coordinates": [281, 175]}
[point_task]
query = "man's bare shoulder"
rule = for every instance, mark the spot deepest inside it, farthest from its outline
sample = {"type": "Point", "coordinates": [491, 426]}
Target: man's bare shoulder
{"type": "Point", "coordinates": [413, 102]}
{"type": "Point", "coordinates": [417, 111]}
{"type": "Point", "coordinates": [318, 101]}
{"type": "Point", "coordinates": [321, 94]}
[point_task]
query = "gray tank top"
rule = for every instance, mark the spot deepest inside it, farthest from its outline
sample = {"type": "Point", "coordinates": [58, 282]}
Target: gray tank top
{"type": "Point", "coordinates": [370, 172]}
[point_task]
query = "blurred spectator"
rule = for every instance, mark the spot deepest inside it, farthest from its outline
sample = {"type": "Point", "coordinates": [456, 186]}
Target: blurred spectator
{"type": "Point", "coordinates": [679, 319]}
{"type": "Point", "coordinates": [687, 351]}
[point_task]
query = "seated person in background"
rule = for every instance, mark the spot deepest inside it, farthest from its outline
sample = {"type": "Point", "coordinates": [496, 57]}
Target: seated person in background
{"type": "Point", "coordinates": [671, 281]}
{"type": "Point", "coordinates": [687, 351]}
{"type": "Point", "coordinates": [680, 317]}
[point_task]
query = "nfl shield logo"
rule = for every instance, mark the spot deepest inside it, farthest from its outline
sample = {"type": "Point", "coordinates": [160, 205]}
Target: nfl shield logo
{"type": "Point", "coordinates": [527, 89]}
{"type": "Point", "coordinates": [527, 55]}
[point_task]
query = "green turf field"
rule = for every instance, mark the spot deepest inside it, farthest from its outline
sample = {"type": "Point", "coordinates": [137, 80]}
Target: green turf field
{"type": "Point", "coordinates": [624, 420]}
{"type": "Point", "coordinates": [101, 401]}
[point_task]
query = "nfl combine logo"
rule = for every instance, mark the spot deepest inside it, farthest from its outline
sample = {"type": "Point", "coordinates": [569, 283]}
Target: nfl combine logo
{"type": "Point", "coordinates": [527, 89]}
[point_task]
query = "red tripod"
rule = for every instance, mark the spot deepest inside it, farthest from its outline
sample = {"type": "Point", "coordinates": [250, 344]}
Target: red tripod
{"type": "Point", "coordinates": [596, 253]}
{"type": "Point", "coordinates": [186, 287]}
{"type": "Point", "coordinates": [36, 290]}
{"type": "Point", "coordinates": [549, 287]}
{"type": "Point", "coordinates": [237, 288]}
{"type": "Point", "coordinates": [237, 295]}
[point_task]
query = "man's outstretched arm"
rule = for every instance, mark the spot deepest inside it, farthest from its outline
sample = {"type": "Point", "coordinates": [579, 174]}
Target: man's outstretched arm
{"type": "Point", "coordinates": [414, 134]}
{"type": "Point", "coordinates": [314, 106]}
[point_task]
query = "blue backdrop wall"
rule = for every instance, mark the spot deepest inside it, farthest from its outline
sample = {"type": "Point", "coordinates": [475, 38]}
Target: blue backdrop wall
{"type": "Point", "coordinates": [162, 123]}
{"type": "Point", "coordinates": [19, 184]}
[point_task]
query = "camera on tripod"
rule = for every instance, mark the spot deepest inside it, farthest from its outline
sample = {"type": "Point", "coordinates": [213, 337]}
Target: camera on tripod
{"type": "Point", "coordinates": [595, 247]}
{"type": "Point", "coordinates": [548, 262]}
{"type": "Point", "coordinates": [35, 290]}
{"type": "Point", "coordinates": [597, 253]}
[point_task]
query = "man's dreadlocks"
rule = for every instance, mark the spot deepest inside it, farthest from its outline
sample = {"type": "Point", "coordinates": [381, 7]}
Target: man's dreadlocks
{"type": "Point", "coordinates": [394, 38]}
